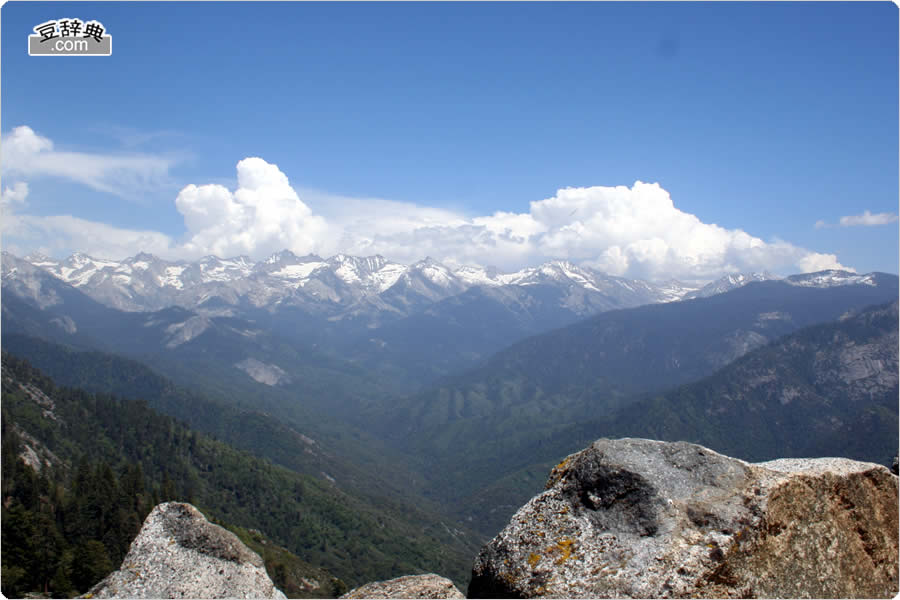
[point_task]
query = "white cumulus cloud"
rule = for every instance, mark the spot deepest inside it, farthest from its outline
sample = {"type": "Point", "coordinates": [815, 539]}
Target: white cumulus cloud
{"type": "Point", "coordinates": [638, 231]}
{"type": "Point", "coordinates": [263, 215]}
{"type": "Point", "coordinates": [814, 261]}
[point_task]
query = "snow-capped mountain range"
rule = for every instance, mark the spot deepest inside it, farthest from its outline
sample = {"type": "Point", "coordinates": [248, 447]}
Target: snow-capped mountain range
{"type": "Point", "coordinates": [332, 285]}
{"type": "Point", "coordinates": [145, 282]}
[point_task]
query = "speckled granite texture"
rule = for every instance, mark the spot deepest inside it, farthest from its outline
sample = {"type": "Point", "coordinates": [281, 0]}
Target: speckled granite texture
{"type": "Point", "coordinates": [179, 554]}
{"type": "Point", "coordinates": [647, 519]}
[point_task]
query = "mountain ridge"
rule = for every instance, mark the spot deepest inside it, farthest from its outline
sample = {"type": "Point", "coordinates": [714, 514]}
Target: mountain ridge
{"type": "Point", "coordinates": [145, 282]}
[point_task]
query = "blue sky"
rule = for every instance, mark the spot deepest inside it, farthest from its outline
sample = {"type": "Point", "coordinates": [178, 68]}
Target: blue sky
{"type": "Point", "coordinates": [403, 128]}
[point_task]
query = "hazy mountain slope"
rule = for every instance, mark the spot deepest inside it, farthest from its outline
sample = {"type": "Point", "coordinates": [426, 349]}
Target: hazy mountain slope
{"type": "Point", "coordinates": [350, 459]}
{"type": "Point", "coordinates": [473, 425]}
{"type": "Point", "coordinates": [234, 360]}
{"type": "Point", "coordinates": [244, 428]}
{"type": "Point", "coordinates": [825, 390]}
{"type": "Point", "coordinates": [459, 331]}
{"type": "Point", "coordinates": [352, 537]}
{"type": "Point", "coordinates": [37, 303]}
{"type": "Point", "coordinates": [829, 389]}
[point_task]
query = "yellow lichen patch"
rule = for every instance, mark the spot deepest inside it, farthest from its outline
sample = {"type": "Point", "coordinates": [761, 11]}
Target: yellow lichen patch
{"type": "Point", "coordinates": [533, 559]}
{"type": "Point", "coordinates": [564, 548]}
{"type": "Point", "coordinates": [557, 472]}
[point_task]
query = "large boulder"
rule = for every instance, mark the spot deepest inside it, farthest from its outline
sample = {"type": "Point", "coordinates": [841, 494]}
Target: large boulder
{"type": "Point", "coordinates": [645, 519]}
{"type": "Point", "coordinates": [179, 554]}
{"type": "Point", "coordinates": [410, 586]}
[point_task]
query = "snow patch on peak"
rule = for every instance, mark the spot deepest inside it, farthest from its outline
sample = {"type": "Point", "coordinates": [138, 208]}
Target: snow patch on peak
{"type": "Point", "coordinates": [831, 278]}
{"type": "Point", "coordinates": [347, 272]}
{"type": "Point", "coordinates": [40, 260]}
{"type": "Point", "coordinates": [673, 291]}
{"type": "Point", "coordinates": [172, 277]}
{"type": "Point", "coordinates": [387, 275]}
{"type": "Point", "coordinates": [477, 276]}
{"type": "Point", "coordinates": [727, 283]}
{"type": "Point", "coordinates": [555, 270]}
{"type": "Point", "coordinates": [437, 275]}
{"type": "Point", "coordinates": [434, 272]}
{"type": "Point", "coordinates": [301, 271]}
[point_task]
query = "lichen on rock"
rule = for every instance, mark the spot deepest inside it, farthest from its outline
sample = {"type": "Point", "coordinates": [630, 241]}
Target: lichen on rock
{"type": "Point", "coordinates": [641, 518]}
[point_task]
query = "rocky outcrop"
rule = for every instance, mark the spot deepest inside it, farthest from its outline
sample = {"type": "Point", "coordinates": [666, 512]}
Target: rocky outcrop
{"type": "Point", "coordinates": [179, 554]}
{"type": "Point", "coordinates": [410, 586]}
{"type": "Point", "coordinates": [644, 519]}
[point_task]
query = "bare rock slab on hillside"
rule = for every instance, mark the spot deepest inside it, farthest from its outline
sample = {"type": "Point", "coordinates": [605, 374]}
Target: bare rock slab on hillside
{"type": "Point", "coordinates": [410, 586]}
{"type": "Point", "coordinates": [179, 554]}
{"type": "Point", "coordinates": [646, 519]}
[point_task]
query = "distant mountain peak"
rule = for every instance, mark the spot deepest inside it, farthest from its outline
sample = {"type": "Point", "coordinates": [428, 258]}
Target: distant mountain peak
{"type": "Point", "coordinates": [729, 282]}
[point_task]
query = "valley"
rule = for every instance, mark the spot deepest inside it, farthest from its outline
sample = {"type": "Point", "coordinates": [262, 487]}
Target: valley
{"type": "Point", "coordinates": [429, 401]}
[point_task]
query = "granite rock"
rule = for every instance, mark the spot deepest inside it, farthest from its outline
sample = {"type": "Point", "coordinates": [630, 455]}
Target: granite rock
{"type": "Point", "coordinates": [179, 554]}
{"type": "Point", "coordinates": [645, 519]}
{"type": "Point", "coordinates": [410, 586]}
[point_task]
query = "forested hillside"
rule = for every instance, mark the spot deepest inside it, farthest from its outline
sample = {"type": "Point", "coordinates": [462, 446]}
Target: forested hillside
{"type": "Point", "coordinates": [130, 456]}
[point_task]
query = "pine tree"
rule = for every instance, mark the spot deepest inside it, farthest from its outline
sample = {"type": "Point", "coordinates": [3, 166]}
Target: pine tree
{"type": "Point", "coordinates": [91, 564]}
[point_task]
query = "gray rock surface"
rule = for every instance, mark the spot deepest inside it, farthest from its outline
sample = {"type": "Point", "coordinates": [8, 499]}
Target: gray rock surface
{"type": "Point", "coordinates": [410, 586]}
{"type": "Point", "coordinates": [179, 554]}
{"type": "Point", "coordinates": [645, 519]}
